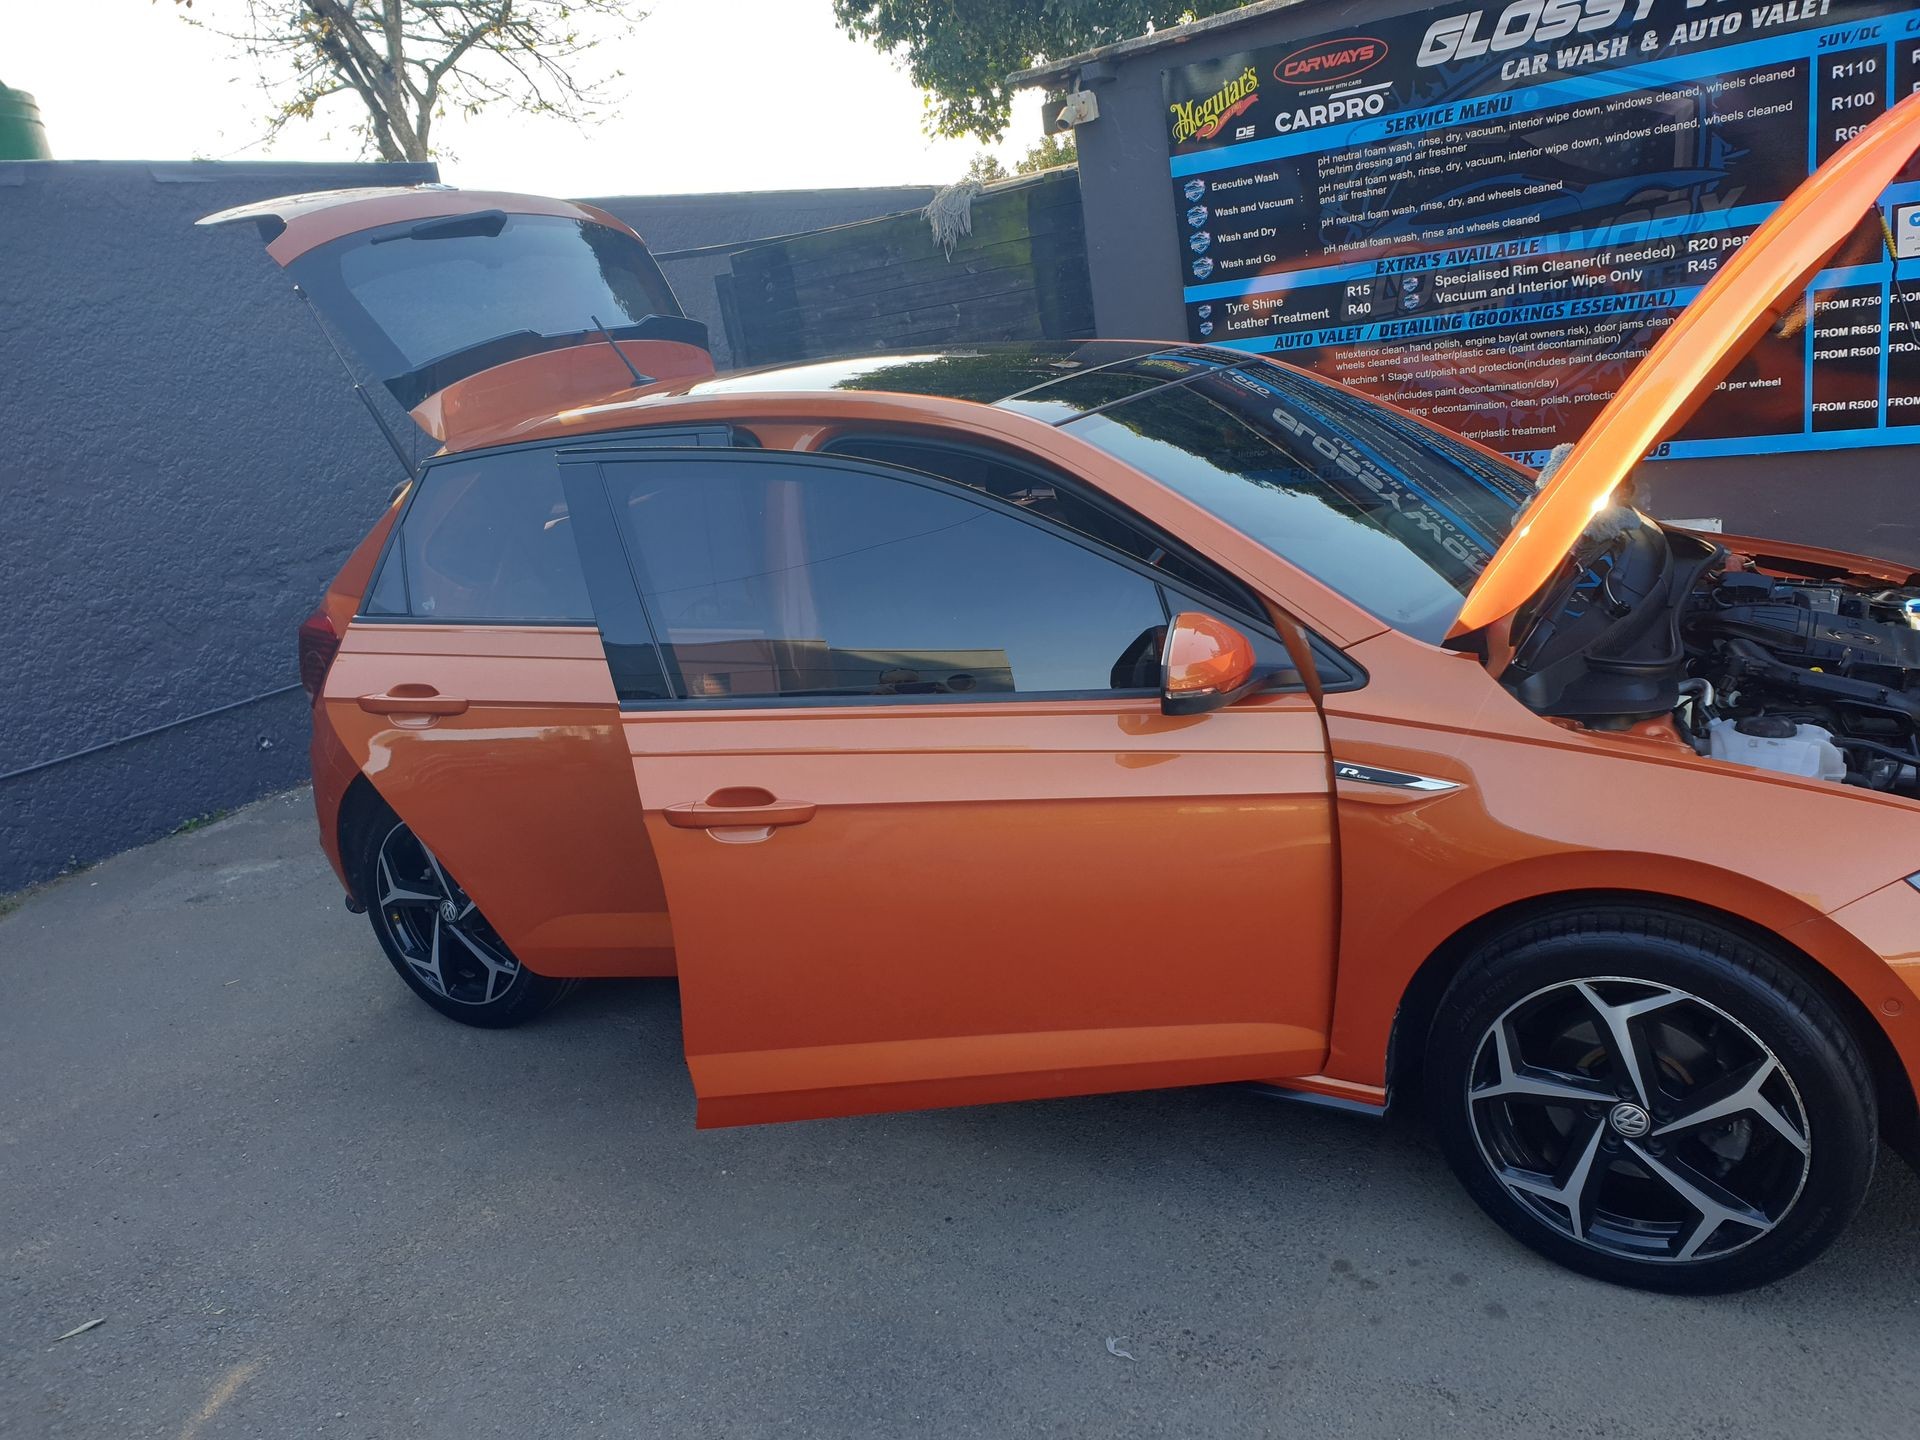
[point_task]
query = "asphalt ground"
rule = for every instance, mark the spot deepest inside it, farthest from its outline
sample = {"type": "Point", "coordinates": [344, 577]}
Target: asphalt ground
{"type": "Point", "coordinates": [301, 1203]}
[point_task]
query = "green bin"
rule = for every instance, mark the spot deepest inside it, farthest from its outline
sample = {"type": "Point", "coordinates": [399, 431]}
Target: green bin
{"type": "Point", "coordinates": [22, 136]}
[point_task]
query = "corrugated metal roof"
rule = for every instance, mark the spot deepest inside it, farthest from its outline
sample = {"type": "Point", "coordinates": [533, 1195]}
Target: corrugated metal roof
{"type": "Point", "coordinates": [1056, 72]}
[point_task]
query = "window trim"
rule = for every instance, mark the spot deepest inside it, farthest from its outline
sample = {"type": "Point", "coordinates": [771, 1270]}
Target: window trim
{"type": "Point", "coordinates": [1247, 359]}
{"type": "Point", "coordinates": [829, 462]}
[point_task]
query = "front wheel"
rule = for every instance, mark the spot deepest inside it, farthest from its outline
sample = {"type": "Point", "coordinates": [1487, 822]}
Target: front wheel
{"type": "Point", "coordinates": [1651, 1100]}
{"type": "Point", "coordinates": [438, 940]}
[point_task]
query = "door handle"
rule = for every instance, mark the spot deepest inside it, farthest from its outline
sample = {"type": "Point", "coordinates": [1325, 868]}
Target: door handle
{"type": "Point", "coordinates": [738, 806]}
{"type": "Point", "coordinates": [413, 700]}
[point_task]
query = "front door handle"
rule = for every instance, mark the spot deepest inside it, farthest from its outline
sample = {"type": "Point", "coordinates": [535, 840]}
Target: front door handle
{"type": "Point", "coordinates": [413, 700]}
{"type": "Point", "coordinates": [739, 807]}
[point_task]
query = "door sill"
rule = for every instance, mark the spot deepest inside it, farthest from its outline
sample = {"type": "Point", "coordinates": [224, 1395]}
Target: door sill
{"type": "Point", "coordinates": [1328, 1094]}
{"type": "Point", "coordinates": [827, 1081]}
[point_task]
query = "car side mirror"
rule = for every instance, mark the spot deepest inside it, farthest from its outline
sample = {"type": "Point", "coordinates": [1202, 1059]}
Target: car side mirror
{"type": "Point", "coordinates": [1205, 663]}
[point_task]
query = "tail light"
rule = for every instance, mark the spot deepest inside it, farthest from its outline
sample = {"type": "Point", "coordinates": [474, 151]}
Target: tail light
{"type": "Point", "coordinates": [319, 643]}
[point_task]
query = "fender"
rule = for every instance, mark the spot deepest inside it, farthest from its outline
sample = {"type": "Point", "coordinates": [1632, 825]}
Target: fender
{"type": "Point", "coordinates": [1856, 945]}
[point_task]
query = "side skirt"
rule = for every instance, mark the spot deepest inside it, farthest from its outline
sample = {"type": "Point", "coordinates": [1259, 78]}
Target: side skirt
{"type": "Point", "coordinates": [1326, 1093]}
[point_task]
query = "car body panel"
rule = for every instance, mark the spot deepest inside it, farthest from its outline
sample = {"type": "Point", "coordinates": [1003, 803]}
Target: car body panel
{"type": "Point", "coordinates": [295, 225]}
{"type": "Point", "coordinates": [1887, 925]}
{"type": "Point", "coordinates": [1542, 809]}
{"type": "Point", "coordinates": [553, 381]}
{"type": "Point", "coordinates": [1757, 286]}
{"type": "Point", "coordinates": [1786, 559]}
{"type": "Point", "coordinates": [994, 900]}
{"type": "Point", "coordinates": [333, 768]}
{"type": "Point", "coordinates": [1545, 810]}
{"type": "Point", "coordinates": [1021, 898]}
{"type": "Point", "coordinates": [535, 765]}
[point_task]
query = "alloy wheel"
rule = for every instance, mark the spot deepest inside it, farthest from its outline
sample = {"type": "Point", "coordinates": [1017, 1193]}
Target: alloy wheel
{"type": "Point", "coordinates": [1639, 1119]}
{"type": "Point", "coordinates": [437, 928]}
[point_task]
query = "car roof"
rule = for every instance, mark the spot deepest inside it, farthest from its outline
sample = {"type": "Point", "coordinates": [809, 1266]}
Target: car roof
{"type": "Point", "coordinates": [986, 374]}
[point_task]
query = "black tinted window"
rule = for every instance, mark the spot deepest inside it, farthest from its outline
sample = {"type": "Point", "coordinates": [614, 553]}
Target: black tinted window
{"type": "Point", "coordinates": [441, 286]}
{"type": "Point", "coordinates": [783, 579]}
{"type": "Point", "coordinates": [1053, 498]}
{"type": "Point", "coordinates": [485, 539]}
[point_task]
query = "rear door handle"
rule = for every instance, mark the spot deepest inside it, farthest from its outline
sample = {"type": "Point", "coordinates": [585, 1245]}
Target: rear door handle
{"type": "Point", "coordinates": [739, 806]}
{"type": "Point", "coordinates": [413, 700]}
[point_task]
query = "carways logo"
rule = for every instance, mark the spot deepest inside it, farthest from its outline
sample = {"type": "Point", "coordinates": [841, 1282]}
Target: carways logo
{"type": "Point", "coordinates": [1329, 62]}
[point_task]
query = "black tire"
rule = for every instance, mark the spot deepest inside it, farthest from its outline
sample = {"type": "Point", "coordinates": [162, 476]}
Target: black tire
{"type": "Point", "coordinates": [475, 978]}
{"type": "Point", "coordinates": [1789, 1158]}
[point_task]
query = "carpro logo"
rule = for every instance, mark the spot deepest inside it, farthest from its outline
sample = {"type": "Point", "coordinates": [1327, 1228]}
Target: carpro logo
{"type": "Point", "coordinates": [1327, 62]}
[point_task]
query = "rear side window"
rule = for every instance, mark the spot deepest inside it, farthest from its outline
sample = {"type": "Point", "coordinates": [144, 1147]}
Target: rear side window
{"type": "Point", "coordinates": [767, 579]}
{"type": "Point", "coordinates": [485, 539]}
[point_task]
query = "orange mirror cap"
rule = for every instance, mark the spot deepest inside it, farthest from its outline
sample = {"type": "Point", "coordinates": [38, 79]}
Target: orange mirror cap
{"type": "Point", "coordinates": [1205, 656]}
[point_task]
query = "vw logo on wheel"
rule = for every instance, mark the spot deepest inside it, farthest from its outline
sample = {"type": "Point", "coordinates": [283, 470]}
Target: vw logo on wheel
{"type": "Point", "coordinates": [1629, 1120]}
{"type": "Point", "coordinates": [449, 911]}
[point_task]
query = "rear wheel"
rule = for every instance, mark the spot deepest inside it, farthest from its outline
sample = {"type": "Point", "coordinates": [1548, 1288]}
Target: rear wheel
{"type": "Point", "coordinates": [1652, 1100]}
{"type": "Point", "coordinates": [438, 940]}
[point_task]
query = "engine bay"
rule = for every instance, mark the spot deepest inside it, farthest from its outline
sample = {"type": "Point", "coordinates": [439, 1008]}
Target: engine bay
{"type": "Point", "coordinates": [1788, 665]}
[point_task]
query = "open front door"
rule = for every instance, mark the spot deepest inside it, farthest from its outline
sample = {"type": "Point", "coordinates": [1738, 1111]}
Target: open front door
{"type": "Point", "coordinates": [926, 837]}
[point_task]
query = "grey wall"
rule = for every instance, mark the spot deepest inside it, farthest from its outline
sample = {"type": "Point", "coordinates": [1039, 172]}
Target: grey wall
{"type": "Point", "coordinates": [1851, 500]}
{"type": "Point", "coordinates": [184, 469]}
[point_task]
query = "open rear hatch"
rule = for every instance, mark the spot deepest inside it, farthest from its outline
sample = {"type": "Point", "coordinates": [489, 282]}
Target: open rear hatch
{"type": "Point", "coordinates": [480, 310]}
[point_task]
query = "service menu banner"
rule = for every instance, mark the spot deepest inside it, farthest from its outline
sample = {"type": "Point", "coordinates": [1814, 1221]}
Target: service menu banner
{"type": "Point", "coordinates": [1488, 213]}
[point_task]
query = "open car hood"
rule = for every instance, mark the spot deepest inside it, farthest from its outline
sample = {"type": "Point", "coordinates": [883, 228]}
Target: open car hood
{"type": "Point", "coordinates": [479, 309]}
{"type": "Point", "coordinates": [1765, 278]}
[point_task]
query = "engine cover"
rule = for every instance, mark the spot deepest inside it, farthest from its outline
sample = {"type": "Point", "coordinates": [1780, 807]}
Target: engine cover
{"type": "Point", "coordinates": [1813, 637]}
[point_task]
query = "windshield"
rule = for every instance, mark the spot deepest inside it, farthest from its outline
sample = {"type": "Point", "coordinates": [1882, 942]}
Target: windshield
{"type": "Point", "coordinates": [1397, 517]}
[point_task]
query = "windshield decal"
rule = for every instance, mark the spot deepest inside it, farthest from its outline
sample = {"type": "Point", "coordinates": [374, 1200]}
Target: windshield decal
{"type": "Point", "coordinates": [1332, 444]}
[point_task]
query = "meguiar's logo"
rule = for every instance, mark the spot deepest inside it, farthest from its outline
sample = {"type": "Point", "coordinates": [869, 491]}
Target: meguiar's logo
{"type": "Point", "coordinates": [1202, 120]}
{"type": "Point", "coordinates": [1330, 61]}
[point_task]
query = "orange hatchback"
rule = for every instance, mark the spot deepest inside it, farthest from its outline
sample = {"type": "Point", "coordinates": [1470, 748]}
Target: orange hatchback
{"type": "Point", "coordinates": [1065, 718]}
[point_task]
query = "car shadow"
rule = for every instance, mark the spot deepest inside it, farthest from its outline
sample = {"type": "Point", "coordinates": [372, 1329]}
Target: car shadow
{"type": "Point", "coordinates": [1219, 1156]}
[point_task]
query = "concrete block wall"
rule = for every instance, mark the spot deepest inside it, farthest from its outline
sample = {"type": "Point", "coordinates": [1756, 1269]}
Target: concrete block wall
{"type": "Point", "coordinates": [183, 469]}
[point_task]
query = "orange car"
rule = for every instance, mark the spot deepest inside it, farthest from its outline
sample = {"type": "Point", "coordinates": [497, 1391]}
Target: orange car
{"type": "Point", "coordinates": [1066, 718]}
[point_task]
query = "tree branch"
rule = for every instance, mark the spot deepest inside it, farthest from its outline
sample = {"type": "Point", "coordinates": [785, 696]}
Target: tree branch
{"type": "Point", "coordinates": [408, 61]}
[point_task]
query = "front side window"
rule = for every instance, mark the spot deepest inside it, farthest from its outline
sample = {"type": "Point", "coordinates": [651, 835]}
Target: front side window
{"type": "Point", "coordinates": [485, 539]}
{"type": "Point", "coordinates": [1367, 501]}
{"type": "Point", "coordinates": [1049, 496]}
{"type": "Point", "coordinates": [768, 579]}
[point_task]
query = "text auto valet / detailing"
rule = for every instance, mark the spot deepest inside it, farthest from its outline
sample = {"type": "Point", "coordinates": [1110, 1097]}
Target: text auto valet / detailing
{"type": "Point", "coordinates": [1488, 214]}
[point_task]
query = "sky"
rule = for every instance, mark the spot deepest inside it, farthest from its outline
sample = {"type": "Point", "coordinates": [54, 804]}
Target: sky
{"type": "Point", "coordinates": [718, 95]}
